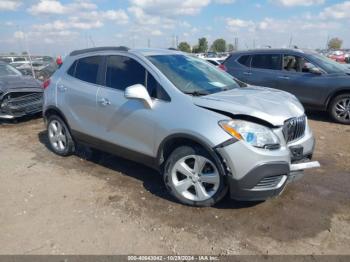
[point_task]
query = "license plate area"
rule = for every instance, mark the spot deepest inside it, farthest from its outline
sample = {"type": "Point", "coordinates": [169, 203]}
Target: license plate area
{"type": "Point", "coordinates": [297, 153]}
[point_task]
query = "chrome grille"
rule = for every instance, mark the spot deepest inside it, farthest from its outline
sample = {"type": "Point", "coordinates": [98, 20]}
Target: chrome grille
{"type": "Point", "coordinates": [294, 128]}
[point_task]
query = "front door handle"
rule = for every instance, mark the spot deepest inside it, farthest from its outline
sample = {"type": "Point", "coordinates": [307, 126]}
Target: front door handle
{"type": "Point", "coordinates": [104, 102]}
{"type": "Point", "coordinates": [247, 73]}
{"type": "Point", "coordinates": [284, 77]}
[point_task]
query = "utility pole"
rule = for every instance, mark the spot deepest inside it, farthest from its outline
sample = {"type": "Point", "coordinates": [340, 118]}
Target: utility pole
{"type": "Point", "coordinates": [327, 41]}
{"type": "Point", "coordinates": [27, 50]}
{"type": "Point", "coordinates": [173, 41]}
{"type": "Point", "coordinates": [290, 41]}
{"type": "Point", "coordinates": [92, 41]}
{"type": "Point", "coordinates": [133, 41]}
{"type": "Point", "coordinates": [149, 43]}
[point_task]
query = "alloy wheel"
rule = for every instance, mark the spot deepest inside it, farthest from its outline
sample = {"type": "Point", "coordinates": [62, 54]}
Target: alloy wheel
{"type": "Point", "coordinates": [57, 135]}
{"type": "Point", "coordinates": [342, 109]}
{"type": "Point", "coordinates": [195, 177]}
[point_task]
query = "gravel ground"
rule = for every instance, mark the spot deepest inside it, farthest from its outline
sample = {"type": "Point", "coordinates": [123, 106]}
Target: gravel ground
{"type": "Point", "coordinates": [100, 204]}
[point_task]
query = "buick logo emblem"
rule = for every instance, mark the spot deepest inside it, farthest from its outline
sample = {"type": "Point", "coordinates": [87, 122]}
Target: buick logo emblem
{"type": "Point", "coordinates": [292, 124]}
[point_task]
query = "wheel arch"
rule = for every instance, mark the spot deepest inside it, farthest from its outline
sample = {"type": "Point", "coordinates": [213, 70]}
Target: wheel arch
{"type": "Point", "coordinates": [171, 142]}
{"type": "Point", "coordinates": [52, 110]}
{"type": "Point", "coordinates": [335, 94]}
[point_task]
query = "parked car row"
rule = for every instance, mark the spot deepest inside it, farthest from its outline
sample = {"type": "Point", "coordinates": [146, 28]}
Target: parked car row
{"type": "Point", "coordinates": [42, 66]}
{"type": "Point", "coordinates": [205, 132]}
{"type": "Point", "coordinates": [213, 55]}
{"type": "Point", "coordinates": [341, 56]}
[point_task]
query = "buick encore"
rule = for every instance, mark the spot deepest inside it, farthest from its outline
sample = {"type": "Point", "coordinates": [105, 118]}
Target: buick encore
{"type": "Point", "coordinates": [204, 132]}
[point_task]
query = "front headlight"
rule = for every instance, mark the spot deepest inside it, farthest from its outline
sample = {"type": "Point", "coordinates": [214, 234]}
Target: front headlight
{"type": "Point", "coordinates": [254, 134]}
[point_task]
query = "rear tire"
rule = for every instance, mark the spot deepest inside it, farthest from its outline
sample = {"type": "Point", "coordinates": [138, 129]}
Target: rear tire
{"type": "Point", "coordinates": [192, 176]}
{"type": "Point", "coordinates": [339, 109]}
{"type": "Point", "coordinates": [59, 136]}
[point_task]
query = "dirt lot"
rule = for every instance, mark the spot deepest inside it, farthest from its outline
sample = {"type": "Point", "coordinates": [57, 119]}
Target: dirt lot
{"type": "Point", "coordinates": [101, 204]}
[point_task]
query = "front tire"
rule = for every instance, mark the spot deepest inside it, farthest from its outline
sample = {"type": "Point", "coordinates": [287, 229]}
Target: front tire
{"type": "Point", "coordinates": [60, 139]}
{"type": "Point", "coordinates": [340, 109]}
{"type": "Point", "coordinates": [192, 177]}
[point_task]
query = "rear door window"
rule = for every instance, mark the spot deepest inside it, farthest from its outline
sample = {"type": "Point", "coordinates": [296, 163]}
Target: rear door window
{"type": "Point", "coordinates": [71, 70]}
{"type": "Point", "coordinates": [267, 61]}
{"type": "Point", "coordinates": [87, 68]}
{"type": "Point", "coordinates": [244, 60]}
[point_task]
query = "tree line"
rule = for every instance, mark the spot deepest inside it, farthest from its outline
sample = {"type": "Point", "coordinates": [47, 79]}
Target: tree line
{"type": "Point", "coordinates": [219, 45]}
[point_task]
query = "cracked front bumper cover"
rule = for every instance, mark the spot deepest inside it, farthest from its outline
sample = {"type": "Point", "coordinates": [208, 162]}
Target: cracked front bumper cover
{"type": "Point", "coordinates": [255, 174]}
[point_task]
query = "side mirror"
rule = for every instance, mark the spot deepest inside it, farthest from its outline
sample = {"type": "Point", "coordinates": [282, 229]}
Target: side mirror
{"type": "Point", "coordinates": [139, 92]}
{"type": "Point", "coordinates": [315, 70]}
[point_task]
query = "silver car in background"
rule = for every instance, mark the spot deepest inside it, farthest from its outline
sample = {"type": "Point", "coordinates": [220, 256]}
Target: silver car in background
{"type": "Point", "coordinates": [204, 132]}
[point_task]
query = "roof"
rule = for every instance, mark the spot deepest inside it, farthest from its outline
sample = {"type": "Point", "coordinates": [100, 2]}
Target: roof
{"type": "Point", "coordinates": [275, 50]}
{"type": "Point", "coordinates": [97, 49]}
{"type": "Point", "coordinates": [154, 51]}
{"type": "Point", "coordinates": [144, 52]}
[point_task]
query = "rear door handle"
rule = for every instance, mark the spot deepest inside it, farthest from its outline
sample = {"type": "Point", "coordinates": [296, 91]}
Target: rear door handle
{"type": "Point", "coordinates": [62, 88]}
{"type": "Point", "coordinates": [284, 77]}
{"type": "Point", "coordinates": [247, 73]}
{"type": "Point", "coordinates": [104, 102]}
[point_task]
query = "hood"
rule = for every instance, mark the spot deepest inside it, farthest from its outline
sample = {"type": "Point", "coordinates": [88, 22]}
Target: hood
{"type": "Point", "coordinates": [268, 104]}
{"type": "Point", "coordinates": [18, 82]}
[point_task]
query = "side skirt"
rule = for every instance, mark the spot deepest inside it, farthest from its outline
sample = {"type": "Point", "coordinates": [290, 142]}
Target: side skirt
{"type": "Point", "coordinates": [115, 149]}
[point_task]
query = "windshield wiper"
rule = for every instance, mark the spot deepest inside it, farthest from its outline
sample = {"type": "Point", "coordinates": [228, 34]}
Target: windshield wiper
{"type": "Point", "coordinates": [196, 93]}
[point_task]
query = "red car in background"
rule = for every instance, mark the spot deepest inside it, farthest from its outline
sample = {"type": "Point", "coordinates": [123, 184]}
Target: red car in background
{"type": "Point", "coordinates": [338, 56]}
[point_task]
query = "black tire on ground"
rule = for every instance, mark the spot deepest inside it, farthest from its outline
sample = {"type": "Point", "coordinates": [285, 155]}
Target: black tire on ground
{"type": "Point", "coordinates": [180, 153]}
{"type": "Point", "coordinates": [69, 145]}
{"type": "Point", "coordinates": [333, 108]}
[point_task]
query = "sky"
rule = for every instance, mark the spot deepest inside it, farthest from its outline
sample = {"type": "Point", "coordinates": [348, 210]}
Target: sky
{"type": "Point", "coordinates": [56, 27]}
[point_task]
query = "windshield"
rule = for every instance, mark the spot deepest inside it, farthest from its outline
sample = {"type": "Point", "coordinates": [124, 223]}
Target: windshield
{"type": "Point", "coordinates": [193, 75]}
{"type": "Point", "coordinates": [328, 64]}
{"type": "Point", "coordinates": [6, 70]}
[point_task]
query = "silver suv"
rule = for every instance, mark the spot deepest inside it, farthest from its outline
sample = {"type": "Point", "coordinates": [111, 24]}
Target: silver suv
{"type": "Point", "coordinates": [205, 132]}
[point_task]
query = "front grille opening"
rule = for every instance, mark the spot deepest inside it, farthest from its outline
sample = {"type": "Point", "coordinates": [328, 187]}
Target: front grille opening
{"type": "Point", "coordinates": [294, 128]}
{"type": "Point", "coordinates": [22, 102]}
{"type": "Point", "coordinates": [269, 182]}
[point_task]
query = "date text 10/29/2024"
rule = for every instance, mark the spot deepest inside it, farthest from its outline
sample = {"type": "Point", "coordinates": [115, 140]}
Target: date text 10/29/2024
{"type": "Point", "coordinates": [173, 258]}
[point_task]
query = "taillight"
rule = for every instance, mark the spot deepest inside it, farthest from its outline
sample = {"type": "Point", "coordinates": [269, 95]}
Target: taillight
{"type": "Point", "coordinates": [46, 84]}
{"type": "Point", "coordinates": [223, 67]}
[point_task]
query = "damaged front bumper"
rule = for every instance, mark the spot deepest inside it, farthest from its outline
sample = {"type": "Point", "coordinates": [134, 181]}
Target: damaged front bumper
{"type": "Point", "coordinates": [255, 174]}
{"type": "Point", "coordinates": [20, 102]}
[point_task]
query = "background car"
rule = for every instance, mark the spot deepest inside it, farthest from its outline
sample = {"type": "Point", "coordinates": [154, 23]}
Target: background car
{"type": "Point", "coordinates": [215, 61]}
{"type": "Point", "coordinates": [318, 82]}
{"type": "Point", "coordinates": [338, 56]}
{"type": "Point", "coordinates": [19, 95]}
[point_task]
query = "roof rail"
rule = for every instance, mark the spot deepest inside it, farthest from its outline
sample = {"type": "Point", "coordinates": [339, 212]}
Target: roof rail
{"type": "Point", "coordinates": [96, 49]}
